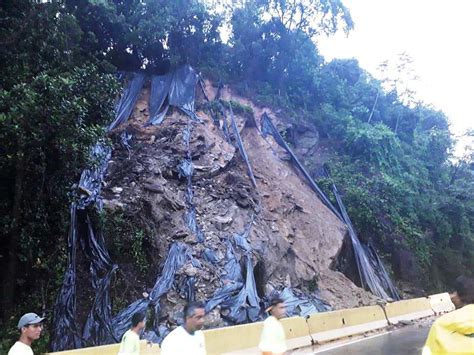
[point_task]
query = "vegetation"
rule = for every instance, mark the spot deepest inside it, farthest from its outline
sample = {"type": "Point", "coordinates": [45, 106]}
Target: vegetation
{"type": "Point", "coordinates": [391, 155]}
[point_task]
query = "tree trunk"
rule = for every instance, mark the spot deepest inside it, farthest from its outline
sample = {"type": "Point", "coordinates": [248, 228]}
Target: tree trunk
{"type": "Point", "coordinates": [10, 277]}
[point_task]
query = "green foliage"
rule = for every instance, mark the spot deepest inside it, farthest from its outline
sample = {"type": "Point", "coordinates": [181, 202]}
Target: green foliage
{"type": "Point", "coordinates": [127, 241]}
{"type": "Point", "coordinates": [391, 155]}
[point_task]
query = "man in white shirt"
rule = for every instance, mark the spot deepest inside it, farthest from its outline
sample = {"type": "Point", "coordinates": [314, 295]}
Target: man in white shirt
{"type": "Point", "coordinates": [273, 340]}
{"type": "Point", "coordinates": [188, 338]}
{"type": "Point", "coordinates": [30, 326]}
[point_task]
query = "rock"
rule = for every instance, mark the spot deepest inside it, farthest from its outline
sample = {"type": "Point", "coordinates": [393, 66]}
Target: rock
{"type": "Point", "coordinates": [113, 204]}
{"type": "Point", "coordinates": [222, 221]}
{"type": "Point", "coordinates": [153, 187]}
{"type": "Point", "coordinates": [117, 190]}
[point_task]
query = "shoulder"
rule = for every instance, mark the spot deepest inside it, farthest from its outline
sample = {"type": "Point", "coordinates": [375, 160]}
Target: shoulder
{"type": "Point", "coordinates": [172, 335]}
{"type": "Point", "coordinates": [20, 349]}
{"type": "Point", "coordinates": [464, 312]}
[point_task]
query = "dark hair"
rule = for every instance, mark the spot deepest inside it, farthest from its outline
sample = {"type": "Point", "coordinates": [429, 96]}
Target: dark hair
{"type": "Point", "coordinates": [464, 287]}
{"type": "Point", "coordinates": [137, 318]}
{"type": "Point", "coordinates": [190, 309]}
{"type": "Point", "coordinates": [276, 300]}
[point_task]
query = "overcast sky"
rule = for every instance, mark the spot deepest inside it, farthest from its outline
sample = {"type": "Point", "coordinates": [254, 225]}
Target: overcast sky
{"type": "Point", "coordinates": [437, 34]}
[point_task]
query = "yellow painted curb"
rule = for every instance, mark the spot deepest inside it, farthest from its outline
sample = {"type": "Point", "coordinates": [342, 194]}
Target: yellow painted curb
{"type": "Point", "coordinates": [111, 349]}
{"type": "Point", "coordinates": [233, 339]}
{"type": "Point", "coordinates": [407, 310]}
{"type": "Point", "coordinates": [339, 324]}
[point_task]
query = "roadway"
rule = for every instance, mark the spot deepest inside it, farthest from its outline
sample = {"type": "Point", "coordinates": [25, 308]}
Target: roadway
{"type": "Point", "coordinates": [403, 341]}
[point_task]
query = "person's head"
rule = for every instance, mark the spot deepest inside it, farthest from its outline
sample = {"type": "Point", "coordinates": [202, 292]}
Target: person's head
{"type": "Point", "coordinates": [194, 314]}
{"type": "Point", "coordinates": [277, 308]}
{"type": "Point", "coordinates": [30, 326]}
{"type": "Point", "coordinates": [464, 291]}
{"type": "Point", "coordinates": [138, 321]}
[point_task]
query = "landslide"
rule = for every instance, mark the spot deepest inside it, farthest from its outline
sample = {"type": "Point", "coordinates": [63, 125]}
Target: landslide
{"type": "Point", "coordinates": [295, 239]}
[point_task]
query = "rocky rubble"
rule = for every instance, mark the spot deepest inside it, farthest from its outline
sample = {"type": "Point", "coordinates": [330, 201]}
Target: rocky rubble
{"type": "Point", "coordinates": [293, 239]}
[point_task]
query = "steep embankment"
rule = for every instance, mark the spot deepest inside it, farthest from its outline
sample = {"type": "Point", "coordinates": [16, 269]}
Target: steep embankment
{"type": "Point", "coordinates": [294, 237]}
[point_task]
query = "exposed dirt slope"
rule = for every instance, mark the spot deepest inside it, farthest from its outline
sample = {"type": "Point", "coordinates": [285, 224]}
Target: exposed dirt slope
{"type": "Point", "coordinates": [294, 237]}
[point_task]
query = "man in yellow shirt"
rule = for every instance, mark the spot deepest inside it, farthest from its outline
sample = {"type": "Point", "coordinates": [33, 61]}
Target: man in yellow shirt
{"type": "Point", "coordinates": [273, 340]}
{"type": "Point", "coordinates": [453, 333]}
{"type": "Point", "coordinates": [130, 344]}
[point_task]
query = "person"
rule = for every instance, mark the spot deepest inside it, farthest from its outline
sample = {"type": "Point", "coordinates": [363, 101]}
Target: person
{"type": "Point", "coordinates": [453, 333]}
{"type": "Point", "coordinates": [130, 344]}
{"type": "Point", "coordinates": [188, 338]}
{"type": "Point", "coordinates": [30, 326]}
{"type": "Point", "coordinates": [272, 340]}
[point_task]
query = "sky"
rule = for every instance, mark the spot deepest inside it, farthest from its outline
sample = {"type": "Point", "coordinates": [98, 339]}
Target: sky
{"type": "Point", "coordinates": [437, 34]}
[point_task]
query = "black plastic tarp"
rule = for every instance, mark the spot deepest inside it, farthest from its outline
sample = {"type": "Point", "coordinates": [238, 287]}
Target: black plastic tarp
{"type": "Point", "coordinates": [174, 89]}
{"type": "Point", "coordinates": [267, 127]}
{"type": "Point", "coordinates": [245, 306]}
{"type": "Point", "coordinates": [66, 333]}
{"type": "Point", "coordinates": [185, 169]}
{"type": "Point", "coordinates": [160, 86]}
{"type": "Point", "coordinates": [374, 279]}
{"type": "Point", "coordinates": [65, 330]}
{"type": "Point", "coordinates": [300, 304]}
{"type": "Point", "coordinates": [241, 147]}
{"type": "Point", "coordinates": [127, 101]}
{"type": "Point", "coordinates": [178, 255]}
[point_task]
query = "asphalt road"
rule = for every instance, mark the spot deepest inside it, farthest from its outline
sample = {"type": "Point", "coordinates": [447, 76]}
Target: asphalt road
{"type": "Point", "coordinates": [404, 341]}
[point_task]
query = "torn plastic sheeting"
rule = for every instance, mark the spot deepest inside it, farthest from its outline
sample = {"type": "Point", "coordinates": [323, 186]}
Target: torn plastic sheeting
{"type": "Point", "coordinates": [302, 305]}
{"type": "Point", "coordinates": [185, 169]}
{"type": "Point", "coordinates": [65, 334]}
{"type": "Point", "coordinates": [91, 179]}
{"type": "Point", "coordinates": [241, 239]}
{"type": "Point", "coordinates": [98, 325]}
{"type": "Point", "coordinates": [65, 331]}
{"type": "Point", "coordinates": [179, 88]}
{"type": "Point", "coordinates": [269, 128]}
{"type": "Point", "coordinates": [382, 273]}
{"type": "Point", "coordinates": [241, 147]}
{"type": "Point", "coordinates": [122, 321]}
{"type": "Point", "coordinates": [232, 265]}
{"type": "Point", "coordinates": [245, 307]}
{"type": "Point", "coordinates": [160, 87]}
{"type": "Point", "coordinates": [223, 294]}
{"type": "Point", "coordinates": [127, 101]}
{"type": "Point", "coordinates": [376, 282]}
{"type": "Point", "coordinates": [125, 139]}
{"type": "Point", "coordinates": [187, 288]}
{"type": "Point", "coordinates": [210, 256]}
{"type": "Point", "coordinates": [178, 255]}
{"type": "Point", "coordinates": [94, 248]}
{"type": "Point", "coordinates": [183, 89]}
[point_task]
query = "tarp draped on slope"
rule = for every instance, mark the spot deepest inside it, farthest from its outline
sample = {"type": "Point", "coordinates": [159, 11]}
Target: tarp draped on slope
{"type": "Point", "coordinates": [240, 146]}
{"type": "Point", "coordinates": [127, 101]}
{"type": "Point", "coordinates": [66, 333]}
{"type": "Point", "coordinates": [371, 271]}
{"type": "Point", "coordinates": [267, 127]}
{"type": "Point", "coordinates": [173, 89]}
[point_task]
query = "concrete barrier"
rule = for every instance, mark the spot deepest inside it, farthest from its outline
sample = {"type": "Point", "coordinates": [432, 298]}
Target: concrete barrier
{"type": "Point", "coordinates": [441, 303]}
{"type": "Point", "coordinates": [339, 324]}
{"type": "Point", "coordinates": [233, 340]}
{"type": "Point", "coordinates": [244, 339]}
{"type": "Point", "coordinates": [297, 332]}
{"type": "Point", "coordinates": [112, 349]}
{"type": "Point", "coordinates": [300, 332]}
{"type": "Point", "coordinates": [407, 310]}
